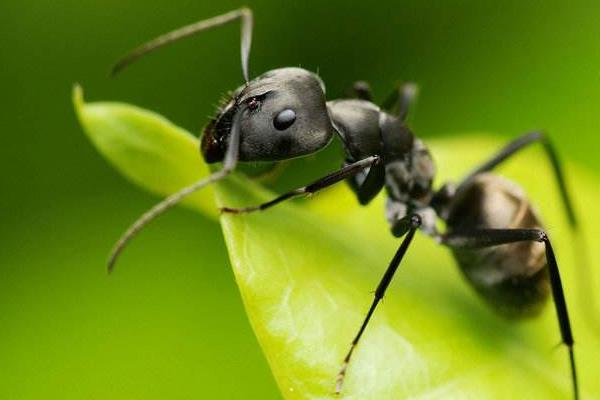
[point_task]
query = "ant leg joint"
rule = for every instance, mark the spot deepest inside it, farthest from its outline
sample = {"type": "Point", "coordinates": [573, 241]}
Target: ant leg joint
{"type": "Point", "coordinates": [416, 220]}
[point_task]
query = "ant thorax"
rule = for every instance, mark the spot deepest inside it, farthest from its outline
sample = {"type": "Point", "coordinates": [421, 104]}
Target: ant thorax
{"type": "Point", "coordinates": [408, 182]}
{"type": "Point", "coordinates": [407, 168]}
{"type": "Point", "coordinates": [408, 179]}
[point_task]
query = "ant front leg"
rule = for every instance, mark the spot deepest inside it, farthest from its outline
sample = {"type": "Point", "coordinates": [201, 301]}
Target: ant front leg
{"type": "Point", "coordinates": [322, 183]}
{"type": "Point", "coordinates": [404, 226]}
{"type": "Point", "coordinates": [367, 184]}
{"type": "Point", "coordinates": [481, 238]}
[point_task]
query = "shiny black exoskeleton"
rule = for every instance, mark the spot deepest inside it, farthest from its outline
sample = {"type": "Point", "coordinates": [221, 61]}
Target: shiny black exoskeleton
{"type": "Point", "coordinates": [491, 228]}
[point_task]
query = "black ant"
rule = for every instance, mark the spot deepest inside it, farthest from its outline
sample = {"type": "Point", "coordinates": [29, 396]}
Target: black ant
{"type": "Point", "coordinates": [283, 114]}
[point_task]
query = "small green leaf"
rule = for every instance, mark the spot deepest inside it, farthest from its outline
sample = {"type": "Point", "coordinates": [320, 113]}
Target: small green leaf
{"type": "Point", "coordinates": [307, 269]}
{"type": "Point", "coordinates": [146, 148]}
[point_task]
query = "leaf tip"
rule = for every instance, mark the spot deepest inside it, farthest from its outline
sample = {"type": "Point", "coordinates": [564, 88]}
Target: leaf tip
{"type": "Point", "coordinates": [77, 97]}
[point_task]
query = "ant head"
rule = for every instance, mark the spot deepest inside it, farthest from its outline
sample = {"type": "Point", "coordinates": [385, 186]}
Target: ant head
{"type": "Point", "coordinates": [282, 115]}
{"type": "Point", "coordinates": [279, 115]}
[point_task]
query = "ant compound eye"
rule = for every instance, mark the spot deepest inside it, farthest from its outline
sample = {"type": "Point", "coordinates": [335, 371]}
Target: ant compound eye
{"type": "Point", "coordinates": [284, 119]}
{"type": "Point", "coordinates": [253, 104]}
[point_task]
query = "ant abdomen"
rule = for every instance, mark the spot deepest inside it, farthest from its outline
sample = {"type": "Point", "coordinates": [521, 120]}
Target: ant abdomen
{"type": "Point", "coordinates": [512, 278]}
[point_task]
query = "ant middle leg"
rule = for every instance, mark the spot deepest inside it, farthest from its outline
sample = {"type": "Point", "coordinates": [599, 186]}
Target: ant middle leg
{"type": "Point", "coordinates": [409, 225]}
{"type": "Point", "coordinates": [367, 184]}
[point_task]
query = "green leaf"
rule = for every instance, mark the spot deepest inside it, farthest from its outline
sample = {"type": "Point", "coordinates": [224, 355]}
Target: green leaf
{"type": "Point", "coordinates": [306, 270]}
{"type": "Point", "coordinates": [146, 148]}
{"type": "Point", "coordinates": [307, 276]}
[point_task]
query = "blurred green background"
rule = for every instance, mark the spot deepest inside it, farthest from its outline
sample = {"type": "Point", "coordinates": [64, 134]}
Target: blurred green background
{"type": "Point", "coordinates": [169, 323]}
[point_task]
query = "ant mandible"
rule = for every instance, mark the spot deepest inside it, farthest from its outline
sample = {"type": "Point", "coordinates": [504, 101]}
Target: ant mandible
{"type": "Point", "coordinates": [283, 114]}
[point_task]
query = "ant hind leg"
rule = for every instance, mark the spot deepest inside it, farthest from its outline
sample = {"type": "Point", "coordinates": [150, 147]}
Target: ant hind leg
{"type": "Point", "coordinates": [481, 238]}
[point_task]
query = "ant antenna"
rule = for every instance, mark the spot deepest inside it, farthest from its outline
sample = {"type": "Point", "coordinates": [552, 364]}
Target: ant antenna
{"type": "Point", "coordinates": [245, 14]}
{"type": "Point", "coordinates": [229, 163]}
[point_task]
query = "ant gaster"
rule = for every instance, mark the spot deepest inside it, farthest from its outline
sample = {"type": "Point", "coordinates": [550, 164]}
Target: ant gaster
{"type": "Point", "coordinates": [492, 229]}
